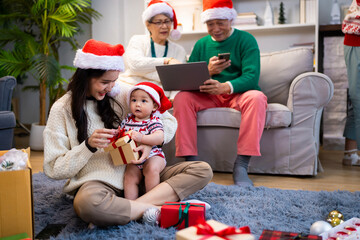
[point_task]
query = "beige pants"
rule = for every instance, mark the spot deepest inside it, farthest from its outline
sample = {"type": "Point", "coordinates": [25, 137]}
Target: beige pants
{"type": "Point", "coordinates": [104, 205]}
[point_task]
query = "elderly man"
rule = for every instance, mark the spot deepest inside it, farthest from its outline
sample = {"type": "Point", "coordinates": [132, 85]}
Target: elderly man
{"type": "Point", "coordinates": [233, 84]}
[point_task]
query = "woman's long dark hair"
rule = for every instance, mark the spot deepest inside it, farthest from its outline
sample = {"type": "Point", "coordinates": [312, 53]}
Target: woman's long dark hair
{"type": "Point", "coordinates": [79, 87]}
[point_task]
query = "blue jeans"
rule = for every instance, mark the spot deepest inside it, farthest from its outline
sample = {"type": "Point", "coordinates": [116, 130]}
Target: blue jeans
{"type": "Point", "coordinates": [352, 60]}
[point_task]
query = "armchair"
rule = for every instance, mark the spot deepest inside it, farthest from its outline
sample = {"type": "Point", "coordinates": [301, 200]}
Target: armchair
{"type": "Point", "coordinates": [290, 141]}
{"type": "Point", "coordinates": [7, 117]}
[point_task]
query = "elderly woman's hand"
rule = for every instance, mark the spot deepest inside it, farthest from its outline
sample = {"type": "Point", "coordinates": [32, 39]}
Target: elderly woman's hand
{"type": "Point", "coordinates": [217, 65]}
{"type": "Point", "coordinates": [171, 61]}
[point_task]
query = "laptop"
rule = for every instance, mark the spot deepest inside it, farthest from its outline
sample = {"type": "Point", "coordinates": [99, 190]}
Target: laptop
{"type": "Point", "coordinates": [185, 76]}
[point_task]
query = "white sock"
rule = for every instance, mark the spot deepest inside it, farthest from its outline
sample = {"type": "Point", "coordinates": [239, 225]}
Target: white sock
{"type": "Point", "coordinates": [207, 206]}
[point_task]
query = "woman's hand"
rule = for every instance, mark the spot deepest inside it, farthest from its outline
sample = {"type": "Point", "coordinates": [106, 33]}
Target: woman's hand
{"type": "Point", "coordinates": [217, 65]}
{"type": "Point", "coordinates": [145, 152]}
{"type": "Point", "coordinates": [171, 61]}
{"type": "Point", "coordinates": [136, 136]}
{"type": "Point", "coordinates": [100, 137]}
{"type": "Point", "coordinates": [215, 87]}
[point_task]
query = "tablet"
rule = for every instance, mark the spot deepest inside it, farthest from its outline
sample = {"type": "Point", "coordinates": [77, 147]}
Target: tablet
{"type": "Point", "coordinates": [185, 76]}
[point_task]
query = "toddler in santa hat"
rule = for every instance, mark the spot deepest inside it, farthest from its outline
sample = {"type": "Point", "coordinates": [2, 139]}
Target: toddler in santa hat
{"type": "Point", "coordinates": [147, 102]}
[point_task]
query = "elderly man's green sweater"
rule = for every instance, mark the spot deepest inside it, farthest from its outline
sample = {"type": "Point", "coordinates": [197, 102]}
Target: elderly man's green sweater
{"type": "Point", "coordinates": [244, 71]}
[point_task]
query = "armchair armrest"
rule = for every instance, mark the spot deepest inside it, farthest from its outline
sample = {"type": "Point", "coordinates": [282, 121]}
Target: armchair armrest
{"type": "Point", "coordinates": [309, 93]}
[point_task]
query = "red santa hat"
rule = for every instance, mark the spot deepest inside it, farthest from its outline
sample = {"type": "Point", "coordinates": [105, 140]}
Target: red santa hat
{"type": "Point", "coordinates": [217, 9]}
{"type": "Point", "coordinates": [155, 92]}
{"type": "Point", "coordinates": [156, 7]}
{"type": "Point", "coordinates": [100, 55]}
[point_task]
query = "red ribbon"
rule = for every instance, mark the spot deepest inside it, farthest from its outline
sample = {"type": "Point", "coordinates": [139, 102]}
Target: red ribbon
{"type": "Point", "coordinates": [120, 134]}
{"type": "Point", "coordinates": [113, 140]}
{"type": "Point", "coordinates": [203, 228]}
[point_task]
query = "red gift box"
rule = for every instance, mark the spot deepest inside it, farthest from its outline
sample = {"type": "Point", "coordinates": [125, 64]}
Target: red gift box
{"type": "Point", "coordinates": [277, 235]}
{"type": "Point", "coordinates": [181, 214]}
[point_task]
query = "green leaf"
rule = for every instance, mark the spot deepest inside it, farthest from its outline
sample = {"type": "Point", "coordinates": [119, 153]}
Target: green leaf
{"type": "Point", "coordinates": [14, 63]}
{"type": "Point", "coordinates": [48, 69]}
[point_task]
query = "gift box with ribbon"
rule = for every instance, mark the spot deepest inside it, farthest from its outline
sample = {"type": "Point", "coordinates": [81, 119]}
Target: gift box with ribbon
{"type": "Point", "coordinates": [279, 235]}
{"type": "Point", "coordinates": [121, 148]}
{"type": "Point", "coordinates": [211, 230]}
{"type": "Point", "coordinates": [181, 214]}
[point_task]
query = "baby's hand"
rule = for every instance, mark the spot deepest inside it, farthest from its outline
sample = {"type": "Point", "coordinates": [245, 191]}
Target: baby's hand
{"type": "Point", "coordinates": [136, 136]}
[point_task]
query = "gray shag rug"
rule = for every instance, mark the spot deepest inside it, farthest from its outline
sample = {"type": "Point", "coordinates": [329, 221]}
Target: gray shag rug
{"type": "Point", "coordinates": [258, 207]}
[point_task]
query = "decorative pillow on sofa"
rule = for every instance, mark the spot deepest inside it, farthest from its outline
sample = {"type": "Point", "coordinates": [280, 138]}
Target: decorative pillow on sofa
{"type": "Point", "coordinates": [278, 70]}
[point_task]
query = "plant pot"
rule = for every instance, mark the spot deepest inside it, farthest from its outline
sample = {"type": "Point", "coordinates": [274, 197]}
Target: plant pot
{"type": "Point", "coordinates": [36, 137]}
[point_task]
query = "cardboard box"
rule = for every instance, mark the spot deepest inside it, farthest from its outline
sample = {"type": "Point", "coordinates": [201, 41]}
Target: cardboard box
{"type": "Point", "coordinates": [170, 214]}
{"type": "Point", "coordinates": [121, 150]}
{"type": "Point", "coordinates": [190, 233]}
{"type": "Point", "coordinates": [16, 201]}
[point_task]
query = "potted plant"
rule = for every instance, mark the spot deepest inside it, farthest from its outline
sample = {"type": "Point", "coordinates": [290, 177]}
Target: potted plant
{"type": "Point", "coordinates": [33, 30]}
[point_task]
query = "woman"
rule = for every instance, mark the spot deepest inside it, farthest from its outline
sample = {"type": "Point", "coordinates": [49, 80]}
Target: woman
{"type": "Point", "coordinates": [79, 126]}
{"type": "Point", "coordinates": [351, 29]}
{"type": "Point", "coordinates": [144, 52]}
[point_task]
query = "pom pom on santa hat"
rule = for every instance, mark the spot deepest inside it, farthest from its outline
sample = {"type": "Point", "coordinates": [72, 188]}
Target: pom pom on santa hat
{"type": "Point", "coordinates": [156, 7]}
{"type": "Point", "coordinates": [217, 9]}
{"type": "Point", "coordinates": [155, 92]}
{"type": "Point", "coordinates": [100, 55]}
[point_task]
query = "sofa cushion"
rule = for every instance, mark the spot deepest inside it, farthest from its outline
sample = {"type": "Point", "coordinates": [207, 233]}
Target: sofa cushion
{"type": "Point", "coordinates": [277, 115]}
{"type": "Point", "coordinates": [279, 68]}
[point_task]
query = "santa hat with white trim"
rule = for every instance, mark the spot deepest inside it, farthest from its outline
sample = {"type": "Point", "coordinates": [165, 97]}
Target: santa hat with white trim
{"type": "Point", "coordinates": [103, 56]}
{"type": "Point", "coordinates": [155, 92]}
{"type": "Point", "coordinates": [100, 55]}
{"type": "Point", "coordinates": [218, 9]}
{"type": "Point", "coordinates": [156, 7]}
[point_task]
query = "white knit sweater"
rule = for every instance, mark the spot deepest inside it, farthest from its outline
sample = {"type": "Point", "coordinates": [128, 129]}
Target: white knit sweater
{"type": "Point", "coordinates": [65, 158]}
{"type": "Point", "coordinates": [140, 66]}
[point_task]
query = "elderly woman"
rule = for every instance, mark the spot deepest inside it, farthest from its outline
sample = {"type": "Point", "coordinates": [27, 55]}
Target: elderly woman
{"type": "Point", "coordinates": [144, 52]}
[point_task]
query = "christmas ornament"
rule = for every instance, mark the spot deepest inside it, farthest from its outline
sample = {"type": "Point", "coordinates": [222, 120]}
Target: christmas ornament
{"type": "Point", "coordinates": [151, 216]}
{"type": "Point", "coordinates": [336, 221]}
{"type": "Point", "coordinates": [319, 227]}
{"type": "Point", "coordinates": [335, 217]}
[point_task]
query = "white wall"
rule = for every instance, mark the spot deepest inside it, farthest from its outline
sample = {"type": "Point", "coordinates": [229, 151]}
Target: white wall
{"type": "Point", "coordinates": [120, 20]}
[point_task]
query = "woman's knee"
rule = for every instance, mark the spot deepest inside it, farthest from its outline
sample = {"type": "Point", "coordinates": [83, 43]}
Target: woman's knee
{"type": "Point", "coordinates": [86, 204]}
{"type": "Point", "coordinates": [202, 170]}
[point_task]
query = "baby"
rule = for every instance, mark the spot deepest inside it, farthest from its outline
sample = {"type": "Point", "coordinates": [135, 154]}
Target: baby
{"type": "Point", "coordinates": [147, 101]}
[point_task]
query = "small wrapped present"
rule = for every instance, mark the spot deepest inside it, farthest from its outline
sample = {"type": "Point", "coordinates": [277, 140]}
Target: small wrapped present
{"type": "Point", "coordinates": [274, 235]}
{"type": "Point", "coordinates": [211, 230]}
{"type": "Point", "coordinates": [181, 214]}
{"type": "Point", "coordinates": [121, 149]}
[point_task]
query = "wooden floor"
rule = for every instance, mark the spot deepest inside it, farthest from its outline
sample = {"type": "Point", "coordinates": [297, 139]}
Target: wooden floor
{"type": "Point", "coordinates": [334, 177]}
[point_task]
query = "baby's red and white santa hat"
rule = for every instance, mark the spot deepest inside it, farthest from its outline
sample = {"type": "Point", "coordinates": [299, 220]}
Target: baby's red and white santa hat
{"type": "Point", "coordinates": [218, 9]}
{"type": "Point", "coordinates": [156, 7]}
{"type": "Point", "coordinates": [103, 56]}
{"type": "Point", "coordinates": [156, 93]}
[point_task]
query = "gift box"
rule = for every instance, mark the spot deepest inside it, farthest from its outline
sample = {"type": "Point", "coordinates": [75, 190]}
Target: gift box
{"type": "Point", "coordinates": [212, 230]}
{"type": "Point", "coordinates": [16, 201]}
{"type": "Point", "coordinates": [181, 214]}
{"type": "Point", "coordinates": [347, 230]}
{"type": "Point", "coordinates": [122, 149]}
{"type": "Point", "coordinates": [274, 235]}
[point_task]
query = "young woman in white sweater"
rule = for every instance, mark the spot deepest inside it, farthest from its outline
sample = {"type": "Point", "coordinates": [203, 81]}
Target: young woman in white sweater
{"type": "Point", "coordinates": [144, 52]}
{"type": "Point", "coordinates": [79, 126]}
